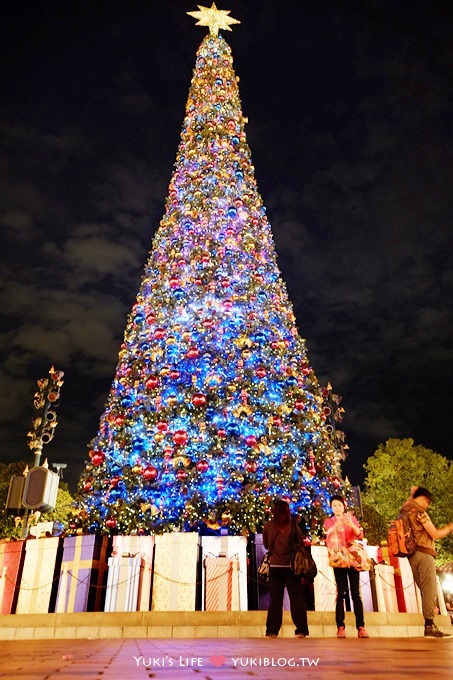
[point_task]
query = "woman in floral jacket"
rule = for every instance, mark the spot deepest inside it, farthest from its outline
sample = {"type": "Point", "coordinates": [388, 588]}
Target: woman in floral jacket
{"type": "Point", "coordinates": [341, 530]}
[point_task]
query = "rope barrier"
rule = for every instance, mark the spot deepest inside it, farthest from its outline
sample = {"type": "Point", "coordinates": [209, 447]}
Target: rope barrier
{"type": "Point", "coordinates": [175, 581]}
{"type": "Point", "coordinates": [170, 580]}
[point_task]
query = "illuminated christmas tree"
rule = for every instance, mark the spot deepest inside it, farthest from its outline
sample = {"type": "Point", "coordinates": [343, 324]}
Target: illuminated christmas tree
{"type": "Point", "coordinates": [214, 406]}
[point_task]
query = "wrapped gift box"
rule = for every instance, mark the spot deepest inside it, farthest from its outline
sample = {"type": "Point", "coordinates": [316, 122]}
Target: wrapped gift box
{"type": "Point", "coordinates": [441, 598]}
{"type": "Point", "coordinates": [40, 572]}
{"type": "Point", "coordinates": [385, 588]}
{"type": "Point", "coordinates": [407, 593]}
{"type": "Point", "coordinates": [263, 591]}
{"type": "Point", "coordinates": [367, 584]}
{"type": "Point", "coordinates": [412, 597]}
{"type": "Point", "coordinates": [83, 574]}
{"type": "Point", "coordinates": [12, 554]}
{"type": "Point", "coordinates": [367, 590]}
{"type": "Point", "coordinates": [175, 572]}
{"type": "Point", "coordinates": [324, 584]}
{"type": "Point", "coordinates": [227, 547]}
{"type": "Point", "coordinates": [395, 562]}
{"type": "Point", "coordinates": [221, 584]}
{"type": "Point", "coordinates": [132, 546]}
{"type": "Point", "coordinates": [123, 581]}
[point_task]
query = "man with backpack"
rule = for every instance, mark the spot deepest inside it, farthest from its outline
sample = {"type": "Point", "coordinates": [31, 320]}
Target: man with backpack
{"type": "Point", "coordinates": [422, 560]}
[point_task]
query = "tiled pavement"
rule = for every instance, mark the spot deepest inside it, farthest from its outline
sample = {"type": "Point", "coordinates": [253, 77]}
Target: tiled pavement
{"type": "Point", "coordinates": [227, 658]}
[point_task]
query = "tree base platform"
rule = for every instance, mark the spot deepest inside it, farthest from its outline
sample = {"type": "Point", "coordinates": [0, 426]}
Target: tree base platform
{"type": "Point", "coordinates": [198, 624]}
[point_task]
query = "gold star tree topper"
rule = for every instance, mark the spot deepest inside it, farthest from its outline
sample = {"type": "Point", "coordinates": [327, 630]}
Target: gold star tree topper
{"type": "Point", "coordinates": [214, 18]}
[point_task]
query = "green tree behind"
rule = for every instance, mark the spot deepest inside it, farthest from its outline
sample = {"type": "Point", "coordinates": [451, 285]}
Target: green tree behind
{"type": "Point", "coordinates": [392, 470]}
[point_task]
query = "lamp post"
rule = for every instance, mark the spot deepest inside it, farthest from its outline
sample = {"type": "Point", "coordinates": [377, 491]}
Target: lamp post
{"type": "Point", "coordinates": [38, 488]}
{"type": "Point", "coordinates": [44, 424]}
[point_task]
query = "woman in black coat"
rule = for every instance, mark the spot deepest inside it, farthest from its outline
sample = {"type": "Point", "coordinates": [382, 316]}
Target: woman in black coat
{"type": "Point", "coordinates": [280, 535]}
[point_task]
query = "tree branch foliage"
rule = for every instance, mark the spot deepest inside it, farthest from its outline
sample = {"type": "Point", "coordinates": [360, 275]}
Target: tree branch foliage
{"type": "Point", "coordinates": [392, 470]}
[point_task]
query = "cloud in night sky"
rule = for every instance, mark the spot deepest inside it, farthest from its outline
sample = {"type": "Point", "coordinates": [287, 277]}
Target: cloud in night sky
{"type": "Point", "coordinates": [350, 133]}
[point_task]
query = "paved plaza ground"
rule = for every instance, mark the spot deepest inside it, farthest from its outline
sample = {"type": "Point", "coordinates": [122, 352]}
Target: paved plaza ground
{"type": "Point", "coordinates": [227, 659]}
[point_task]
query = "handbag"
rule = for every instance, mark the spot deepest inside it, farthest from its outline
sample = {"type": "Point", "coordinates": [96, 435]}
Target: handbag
{"type": "Point", "coordinates": [344, 556]}
{"type": "Point", "coordinates": [338, 553]}
{"type": "Point", "coordinates": [339, 558]}
{"type": "Point", "coordinates": [360, 559]}
{"type": "Point", "coordinates": [263, 569]}
{"type": "Point", "coordinates": [303, 564]}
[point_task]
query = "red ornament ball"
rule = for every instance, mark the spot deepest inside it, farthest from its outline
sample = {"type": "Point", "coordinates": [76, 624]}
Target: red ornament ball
{"type": "Point", "coordinates": [181, 474]}
{"type": "Point", "coordinates": [110, 522]}
{"type": "Point", "coordinates": [97, 458]}
{"type": "Point", "coordinates": [202, 465]}
{"type": "Point", "coordinates": [251, 466]}
{"type": "Point", "coordinates": [152, 382]}
{"type": "Point", "coordinates": [250, 440]}
{"type": "Point", "coordinates": [180, 437]}
{"type": "Point", "coordinates": [150, 473]}
{"type": "Point", "coordinates": [199, 400]}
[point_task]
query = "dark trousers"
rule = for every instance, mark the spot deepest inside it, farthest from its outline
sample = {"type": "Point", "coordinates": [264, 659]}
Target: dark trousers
{"type": "Point", "coordinates": [279, 577]}
{"type": "Point", "coordinates": [341, 578]}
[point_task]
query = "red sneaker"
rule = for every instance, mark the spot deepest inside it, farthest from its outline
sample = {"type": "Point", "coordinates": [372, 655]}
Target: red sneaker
{"type": "Point", "coordinates": [341, 633]}
{"type": "Point", "coordinates": [362, 633]}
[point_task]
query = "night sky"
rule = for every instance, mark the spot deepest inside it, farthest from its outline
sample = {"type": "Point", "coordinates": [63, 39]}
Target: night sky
{"type": "Point", "coordinates": [350, 133]}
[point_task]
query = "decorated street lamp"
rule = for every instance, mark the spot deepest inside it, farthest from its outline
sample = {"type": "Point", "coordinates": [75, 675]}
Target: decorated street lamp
{"type": "Point", "coordinates": [37, 488]}
{"type": "Point", "coordinates": [45, 400]}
